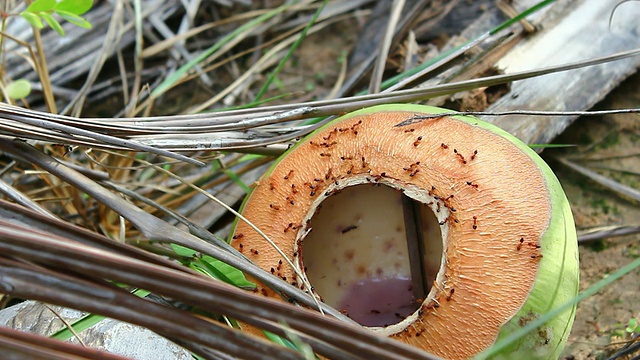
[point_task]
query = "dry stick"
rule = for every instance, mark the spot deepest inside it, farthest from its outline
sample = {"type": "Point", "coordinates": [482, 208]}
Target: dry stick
{"type": "Point", "coordinates": [247, 118]}
{"type": "Point", "coordinates": [49, 286]}
{"type": "Point", "coordinates": [310, 109]}
{"type": "Point", "coordinates": [198, 291]}
{"type": "Point", "coordinates": [28, 221]}
{"type": "Point", "coordinates": [123, 75]}
{"type": "Point", "coordinates": [10, 130]}
{"type": "Point", "coordinates": [358, 73]}
{"type": "Point", "coordinates": [178, 47]}
{"type": "Point", "coordinates": [144, 125]}
{"type": "Point", "coordinates": [271, 57]}
{"type": "Point", "coordinates": [67, 325]}
{"type": "Point", "coordinates": [46, 124]}
{"type": "Point", "coordinates": [32, 220]}
{"type": "Point", "coordinates": [280, 113]}
{"type": "Point", "coordinates": [43, 72]}
{"type": "Point", "coordinates": [626, 191]}
{"type": "Point", "coordinates": [413, 228]}
{"type": "Point", "coordinates": [153, 228]}
{"type": "Point", "coordinates": [111, 41]}
{"type": "Point", "coordinates": [18, 344]}
{"type": "Point", "coordinates": [296, 270]}
{"type": "Point", "coordinates": [606, 232]}
{"type": "Point", "coordinates": [631, 347]}
{"type": "Point", "coordinates": [438, 64]}
{"type": "Point", "coordinates": [167, 44]}
{"type": "Point", "coordinates": [383, 52]}
{"type": "Point", "coordinates": [22, 199]}
{"type": "Point", "coordinates": [193, 228]}
{"type": "Point", "coordinates": [219, 143]}
{"type": "Point", "coordinates": [137, 58]}
{"type": "Point", "coordinates": [419, 118]}
{"type": "Point", "coordinates": [336, 106]}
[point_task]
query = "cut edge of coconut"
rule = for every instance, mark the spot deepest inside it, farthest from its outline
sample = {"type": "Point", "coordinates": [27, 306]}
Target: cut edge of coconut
{"type": "Point", "coordinates": [412, 192]}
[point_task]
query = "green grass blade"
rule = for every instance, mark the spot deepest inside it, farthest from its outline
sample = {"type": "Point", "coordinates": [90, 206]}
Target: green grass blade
{"type": "Point", "coordinates": [592, 290]}
{"type": "Point", "coordinates": [171, 80]}
{"type": "Point", "coordinates": [213, 268]}
{"type": "Point", "coordinates": [87, 321]}
{"type": "Point", "coordinates": [280, 341]}
{"type": "Point", "coordinates": [550, 146]}
{"type": "Point", "coordinates": [79, 325]}
{"type": "Point", "coordinates": [236, 179]}
{"type": "Point", "coordinates": [293, 47]}
{"type": "Point", "coordinates": [397, 78]}
{"type": "Point", "coordinates": [250, 157]}
{"type": "Point", "coordinates": [521, 16]}
{"type": "Point", "coordinates": [250, 105]}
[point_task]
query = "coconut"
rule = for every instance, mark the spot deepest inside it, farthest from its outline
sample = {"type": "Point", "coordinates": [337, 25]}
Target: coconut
{"type": "Point", "coordinates": [444, 233]}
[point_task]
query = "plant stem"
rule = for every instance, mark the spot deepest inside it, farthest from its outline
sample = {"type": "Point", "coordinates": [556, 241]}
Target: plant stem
{"type": "Point", "coordinates": [43, 73]}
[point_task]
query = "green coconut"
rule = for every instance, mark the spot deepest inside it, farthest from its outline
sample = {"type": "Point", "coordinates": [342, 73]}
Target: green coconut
{"type": "Point", "coordinates": [499, 238]}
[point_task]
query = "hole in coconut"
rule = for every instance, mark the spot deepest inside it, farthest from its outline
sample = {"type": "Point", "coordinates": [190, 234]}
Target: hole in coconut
{"type": "Point", "coordinates": [356, 257]}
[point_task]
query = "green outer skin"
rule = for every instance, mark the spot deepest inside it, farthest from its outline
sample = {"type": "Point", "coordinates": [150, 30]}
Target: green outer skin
{"type": "Point", "coordinates": [557, 279]}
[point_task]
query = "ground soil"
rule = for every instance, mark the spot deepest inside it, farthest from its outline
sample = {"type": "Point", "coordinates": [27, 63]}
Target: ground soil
{"type": "Point", "coordinates": [600, 321]}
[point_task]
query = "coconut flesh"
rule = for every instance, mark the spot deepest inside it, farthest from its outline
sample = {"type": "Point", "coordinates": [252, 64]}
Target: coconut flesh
{"type": "Point", "coordinates": [498, 236]}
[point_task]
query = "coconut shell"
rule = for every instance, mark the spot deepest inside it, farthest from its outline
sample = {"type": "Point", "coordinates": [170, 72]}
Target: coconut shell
{"type": "Point", "coordinates": [509, 242]}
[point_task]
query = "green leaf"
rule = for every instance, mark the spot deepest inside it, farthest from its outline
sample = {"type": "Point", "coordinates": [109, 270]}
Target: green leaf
{"type": "Point", "coordinates": [41, 5]}
{"type": "Point", "coordinates": [32, 19]}
{"type": "Point", "coordinates": [74, 19]}
{"type": "Point", "coordinates": [279, 340]}
{"type": "Point", "coordinates": [226, 272]}
{"type": "Point", "coordinates": [214, 268]}
{"type": "Point", "coordinates": [183, 251]}
{"type": "Point", "coordinates": [76, 7]}
{"type": "Point", "coordinates": [55, 25]}
{"type": "Point", "coordinates": [201, 269]}
{"type": "Point", "coordinates": [633, 326]}
{"type": "Point", "coordinates": [293, 344]}
{"type": "Point", "coordinates": [18, 89]}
